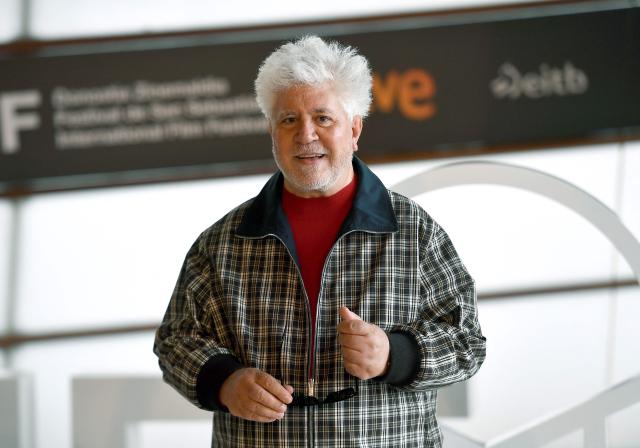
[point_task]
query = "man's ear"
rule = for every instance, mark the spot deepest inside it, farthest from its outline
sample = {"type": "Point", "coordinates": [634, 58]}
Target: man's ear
{"type": "Point", "coordinates": [356, 130]}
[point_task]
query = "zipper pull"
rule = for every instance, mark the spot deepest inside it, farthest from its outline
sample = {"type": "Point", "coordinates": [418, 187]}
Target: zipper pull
{"type": "Point", "coordinates": [311, 386]}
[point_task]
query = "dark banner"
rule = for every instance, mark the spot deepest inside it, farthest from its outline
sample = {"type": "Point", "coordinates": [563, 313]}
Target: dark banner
{"type": "Point", "coordinates": [436, 89]}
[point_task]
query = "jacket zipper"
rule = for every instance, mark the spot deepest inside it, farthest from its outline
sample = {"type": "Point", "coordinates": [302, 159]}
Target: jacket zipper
{"type": "Point", "coordinates": [310, 361]}
{"type": "Point", "coordinates": [312, 356]}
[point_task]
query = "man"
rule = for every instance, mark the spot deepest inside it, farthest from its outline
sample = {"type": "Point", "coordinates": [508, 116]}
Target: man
{"type": "Point", "coordinates": [327, 310]}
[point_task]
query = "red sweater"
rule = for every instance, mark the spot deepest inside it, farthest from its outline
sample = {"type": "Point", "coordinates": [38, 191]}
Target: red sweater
{"type": "Point", "coordinates": [315, 223]}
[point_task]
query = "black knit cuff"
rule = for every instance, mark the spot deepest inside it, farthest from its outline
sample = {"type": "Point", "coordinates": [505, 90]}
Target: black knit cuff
{"type": "Point", "coordinates": [403, 359]}
{"type": "Point", "coordinates": [212, 374]}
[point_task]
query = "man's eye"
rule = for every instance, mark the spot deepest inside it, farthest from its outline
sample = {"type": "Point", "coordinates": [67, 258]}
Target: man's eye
{"type": "Point", "coordinates": [324, 119]}
{"type": "Point", "coordinates": [288, 120]}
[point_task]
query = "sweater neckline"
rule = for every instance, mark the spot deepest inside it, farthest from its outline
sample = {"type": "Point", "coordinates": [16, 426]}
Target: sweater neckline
{"type": "Point", "coordinates": [322, 205]}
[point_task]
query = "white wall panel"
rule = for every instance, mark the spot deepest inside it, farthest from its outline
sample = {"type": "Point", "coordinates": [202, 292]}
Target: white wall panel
{"type": "Point", "coordinates": [627, 337]}
{"type": "Point", "coordinates": [544, 354]}
{"type": "Point", "coordinates": [510, 238]}
{"type": "Point", "coordinates": [6, 213]}
{"type": "Point", "coordinates": [166, 434]}
{"type": "Point", "coordinates": [94, 17]}
{"type": "Point", "coordinates": [112, 257]}
{"type": "Point", "coordinates": [630, 201]}
{"type": "Point", "coordinates": [571, 440]}
{"type": "Point", "coordinates": [623, 426]}
{"type": "Point", "coordinates": [52, 365]}
{"type": "Point", "coordinates": [623, 430]}
{"type": "Point", "coordinates": [591, 168]}
{"type": "Point", "coordinates": [392, 173]}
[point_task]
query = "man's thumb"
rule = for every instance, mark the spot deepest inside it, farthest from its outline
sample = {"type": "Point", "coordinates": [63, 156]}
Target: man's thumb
{"type": "Point", "coordinates": [347, 314]}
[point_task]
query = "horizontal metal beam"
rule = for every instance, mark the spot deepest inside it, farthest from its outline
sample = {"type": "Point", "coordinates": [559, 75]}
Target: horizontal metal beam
{"type": "Point", "coordinates": [13, 340]}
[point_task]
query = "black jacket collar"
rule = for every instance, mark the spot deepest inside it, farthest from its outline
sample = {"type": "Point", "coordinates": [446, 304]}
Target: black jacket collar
{"type": "Point", "coordinates": [371, 212]}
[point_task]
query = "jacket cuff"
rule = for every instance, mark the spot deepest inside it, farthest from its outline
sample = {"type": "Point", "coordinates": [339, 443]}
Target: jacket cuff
{"type": "Point", "coordinates": [210, 378]}
{"type": "Point", "coordinates": [403, 359]}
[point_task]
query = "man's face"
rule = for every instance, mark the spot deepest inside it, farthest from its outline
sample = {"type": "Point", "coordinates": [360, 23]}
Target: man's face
{"type": "Point", "coordinates": [313, 140]}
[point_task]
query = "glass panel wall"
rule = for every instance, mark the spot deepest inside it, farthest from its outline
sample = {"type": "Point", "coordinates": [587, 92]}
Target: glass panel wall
{"type": "Point", "coordinates": [532, 242]}
{"type": "Point", "coordinates": [50, 20]}
{"type": "Point", "coordinates": [10, 20]}
{"type": "Point", "coordinates": [111, 257]}
{"type": "Point", "coordinates": [107, 258]}
{"type": "Point", "coordinates": [544, 354]}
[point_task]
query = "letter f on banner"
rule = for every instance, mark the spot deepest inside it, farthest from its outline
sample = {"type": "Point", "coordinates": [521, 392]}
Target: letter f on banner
{"type": "Point", "coordinates": [13, 122]}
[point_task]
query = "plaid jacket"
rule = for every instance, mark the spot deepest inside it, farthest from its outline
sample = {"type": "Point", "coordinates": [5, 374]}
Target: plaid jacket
{"type": "Point", "coordinates": [240, 297]}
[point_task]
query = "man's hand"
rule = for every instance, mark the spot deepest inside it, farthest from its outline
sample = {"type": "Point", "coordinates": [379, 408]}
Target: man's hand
{"type": "Point", "coordinates": [255, 395]}
{"type": "Point", "coordinates": [365, 346]}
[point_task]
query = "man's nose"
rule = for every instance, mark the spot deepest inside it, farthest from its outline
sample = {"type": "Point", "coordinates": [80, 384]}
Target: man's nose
{"type": "Point", "coordinates": [306, 132]}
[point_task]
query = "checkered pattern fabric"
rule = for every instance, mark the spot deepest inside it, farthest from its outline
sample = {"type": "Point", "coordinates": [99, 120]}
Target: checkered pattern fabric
{"type": "Point", "coordinates": [243, 295]}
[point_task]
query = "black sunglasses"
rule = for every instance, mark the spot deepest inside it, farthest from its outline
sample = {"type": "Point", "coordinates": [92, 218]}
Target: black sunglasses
{"type": "Point", "coordinates": [333, 397]}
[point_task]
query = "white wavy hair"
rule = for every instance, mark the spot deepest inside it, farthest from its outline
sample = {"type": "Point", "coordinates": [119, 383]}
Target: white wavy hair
{"type": "Point", "coordinates": [311, 61]}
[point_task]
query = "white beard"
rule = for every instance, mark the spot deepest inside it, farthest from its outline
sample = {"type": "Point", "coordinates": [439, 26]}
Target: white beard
{"type": "Point", "coordinates": [312, 179]}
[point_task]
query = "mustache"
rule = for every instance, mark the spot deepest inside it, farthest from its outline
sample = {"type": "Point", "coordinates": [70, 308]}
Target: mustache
{"type": "Point", "coordinates": [310, 149]}
{"type": "Point", "coordinates": [301, 150]}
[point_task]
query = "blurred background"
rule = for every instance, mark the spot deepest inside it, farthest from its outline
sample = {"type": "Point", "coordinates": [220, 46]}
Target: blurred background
{"type": "Point", "coordinates": [90, 249]}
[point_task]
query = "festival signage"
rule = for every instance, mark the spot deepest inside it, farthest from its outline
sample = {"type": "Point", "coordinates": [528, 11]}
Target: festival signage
{"type": "Point", "coordinates": [184, 105]}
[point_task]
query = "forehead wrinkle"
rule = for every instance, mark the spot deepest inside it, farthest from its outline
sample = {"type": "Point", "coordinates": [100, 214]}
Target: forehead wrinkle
{"type": "Point", "coordinates": [323, 110]}
{"type": "Point", "coordinates": [317, 110]}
